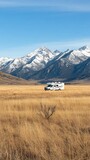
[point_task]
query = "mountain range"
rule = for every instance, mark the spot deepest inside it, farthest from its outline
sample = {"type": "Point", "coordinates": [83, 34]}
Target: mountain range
{"type": "Point", "coordinates": [44, 65]}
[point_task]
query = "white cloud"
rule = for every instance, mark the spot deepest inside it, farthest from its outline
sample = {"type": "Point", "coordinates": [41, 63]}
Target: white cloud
{"type": "Point", "coordinates": [59, 5]}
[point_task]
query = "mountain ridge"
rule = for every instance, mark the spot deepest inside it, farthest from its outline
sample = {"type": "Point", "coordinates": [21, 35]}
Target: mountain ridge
{"type": "Point", "coordinates": [45, 64]}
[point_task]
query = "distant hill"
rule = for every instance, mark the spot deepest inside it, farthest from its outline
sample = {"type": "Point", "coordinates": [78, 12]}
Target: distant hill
{"type": "Point", "coordinates": [12, 80]}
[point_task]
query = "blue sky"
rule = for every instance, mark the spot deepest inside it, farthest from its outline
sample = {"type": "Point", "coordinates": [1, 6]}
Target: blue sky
{"type": "Point", "coordinates": [29, 24]}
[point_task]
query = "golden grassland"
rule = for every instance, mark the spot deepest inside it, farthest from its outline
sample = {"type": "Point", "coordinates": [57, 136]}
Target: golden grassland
{"type": "Point", "coordinates": [25, 134]}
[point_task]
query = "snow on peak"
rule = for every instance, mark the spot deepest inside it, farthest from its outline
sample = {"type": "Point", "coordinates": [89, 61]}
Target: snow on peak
{"type": "Point", "coordinates": [84, 48]}
{"type": "Point", "coordinates": [56, 52]}
{"type": "Point", "coordinates": [42, 49]}
{"type": "Point", "coordinates": [85, 51]}
{"type": "Point", "coordinates": [39, 58]}
{"type": "Point", "coordinates": [77, 56]}
{"type": "Point", "coordinates": [4, 60]}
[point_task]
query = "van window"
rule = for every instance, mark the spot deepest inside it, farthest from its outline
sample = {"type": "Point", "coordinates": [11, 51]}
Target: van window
{"type": "Point", "coordinates": [49, 85]}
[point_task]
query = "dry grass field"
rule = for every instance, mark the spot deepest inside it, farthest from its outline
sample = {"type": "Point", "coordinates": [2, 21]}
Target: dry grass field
{"type": "Point", "coordinates": [25, 134]}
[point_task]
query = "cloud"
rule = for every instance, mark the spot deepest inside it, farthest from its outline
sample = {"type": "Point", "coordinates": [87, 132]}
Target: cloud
{"type": "Point", "coordinates": [57, 5]}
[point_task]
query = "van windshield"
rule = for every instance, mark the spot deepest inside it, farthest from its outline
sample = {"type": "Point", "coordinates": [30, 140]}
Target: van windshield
{"type": "Point", "coordinates": [49, 85]}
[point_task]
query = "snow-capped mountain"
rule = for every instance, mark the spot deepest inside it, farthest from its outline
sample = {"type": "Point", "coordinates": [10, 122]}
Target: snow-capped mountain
{"type": "Point", "coordinates": [45, 64]}
{"type": "Point", "coordinates": [38, 59]}
{"type": "Point", "coordinates": [4, 61]}
{"type": "Point", "coordinates": [79, 55]}
{"type": "Point", "coordinates": [35, 61]}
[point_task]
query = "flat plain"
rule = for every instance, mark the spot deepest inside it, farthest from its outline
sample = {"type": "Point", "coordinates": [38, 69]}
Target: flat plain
{"type": "Point", "coordinates": [25, 133]}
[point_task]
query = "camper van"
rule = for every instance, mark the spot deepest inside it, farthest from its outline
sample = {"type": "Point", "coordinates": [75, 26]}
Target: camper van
{"type": "Point", "coordinates": [55, 86]}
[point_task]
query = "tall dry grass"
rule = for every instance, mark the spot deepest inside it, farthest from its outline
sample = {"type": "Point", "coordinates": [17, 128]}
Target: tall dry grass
{"type": "Point", "coordinates": [26, 135]}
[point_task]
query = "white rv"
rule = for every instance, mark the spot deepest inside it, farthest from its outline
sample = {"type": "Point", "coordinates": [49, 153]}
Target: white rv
{"type": "Point", "coordinates": [55, 86]}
